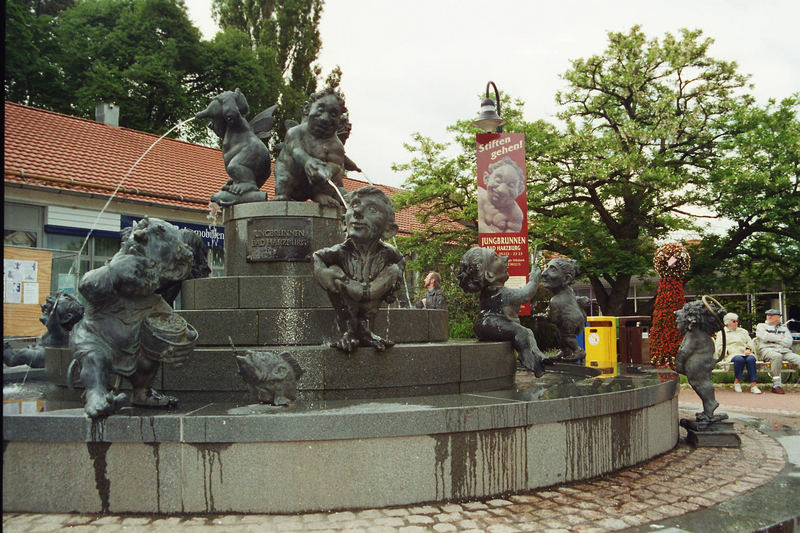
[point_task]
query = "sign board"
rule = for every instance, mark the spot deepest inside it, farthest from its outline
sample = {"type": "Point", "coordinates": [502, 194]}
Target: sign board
{"type": "Point", "coordinates": [213, 236]}
{"type": "Point", "coordinates": [279, 239]}
{"type": "Point", "coordinates": [26, 284]}
{"type": "Point", "coordinates": [503, 203]}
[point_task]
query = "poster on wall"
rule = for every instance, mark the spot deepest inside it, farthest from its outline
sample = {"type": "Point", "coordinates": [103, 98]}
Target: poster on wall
{"type": "Point", "coordinates": [503, 204]}
{"type": "Point", "coordinates": [17, 273]}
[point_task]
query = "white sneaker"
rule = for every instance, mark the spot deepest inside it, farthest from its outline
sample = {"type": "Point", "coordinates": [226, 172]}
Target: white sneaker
{"type": "Point", "coordinates": [755, 390]}
{"type": "Point", "coordinates": [737, 387]}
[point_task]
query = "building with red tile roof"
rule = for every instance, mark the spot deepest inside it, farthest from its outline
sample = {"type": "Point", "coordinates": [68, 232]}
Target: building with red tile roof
{"type": "Point", "coordinates": [71, 184]}
{"type": "Point", "coordinates": [48, 152]}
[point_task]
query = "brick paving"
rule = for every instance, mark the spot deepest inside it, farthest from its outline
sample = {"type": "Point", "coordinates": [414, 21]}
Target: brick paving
{"type": "Point", "coordinates": [683, 480]}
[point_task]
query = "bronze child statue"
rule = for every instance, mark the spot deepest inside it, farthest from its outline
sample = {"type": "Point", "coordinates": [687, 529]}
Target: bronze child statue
{"type": "Point", "coordinates": [482, 270]}
{"type": "Point", "coordinates": [311, 162]}
{"type": "Point", "coordinates": [565, 311]}
{"type": "Point", "coordinates": [124, 317]}
{"type": "Point", "coordinates": [246, 157]}
{"type": "Point", "coordinates": [697, 321]}
{"type": "Point", "coordinates": [362, 272]}
{"type": "Point", "coordinates": [60, 313]}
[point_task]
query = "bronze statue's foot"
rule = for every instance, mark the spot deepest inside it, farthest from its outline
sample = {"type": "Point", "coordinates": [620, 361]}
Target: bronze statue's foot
{"type": "Point", "coordinates": [101, 403]}
{"type": "Point", "coordinates": [347, 343]}
{"type": "Point", "coordinates": [533, 363]}
{"type": "Point", "coordinates": [567, 357]}
{"type": "Point", "coordinates": [152, 398]}
{"type": "Point", "coordinates": [380, 344]}
{"type": "Point", "coordinates": [224, 198]}
{"type": "Point", "coordinates": [326, 200]}
{"type": "Point", "coordinates": [281, 198]}
{"type": "Point", "coordinates": [242, 188]}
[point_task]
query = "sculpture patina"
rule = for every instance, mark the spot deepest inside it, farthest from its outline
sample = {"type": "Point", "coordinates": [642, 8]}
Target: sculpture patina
{"type": "Point", "coordinates": [699, 320]}
{"type": "Point", "coordinates": [200, 269]}
{"type": "Point", "coordinates": [565, 311]}
{"type": "Point", "coordinates": [246, 157]}
{"type": "Point", "coordinates": [311, 162]}
{"type": "Point", "coordinates": [362, 272]}
{"type": "Point", "coordinates": [482, 270]}
{"type": "Point", "coordinates": [128, 329]}
{"type": "Point", "coordinates": [271, 377]}
{"type": "Point", "coordinates": [60, 312]}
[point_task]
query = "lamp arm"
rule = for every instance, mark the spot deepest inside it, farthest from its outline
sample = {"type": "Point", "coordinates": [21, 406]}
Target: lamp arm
{"type": "Point", "coordinates": [496, 99]}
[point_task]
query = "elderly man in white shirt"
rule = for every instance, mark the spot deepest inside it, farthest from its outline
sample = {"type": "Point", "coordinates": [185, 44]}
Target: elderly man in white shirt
{"type": "Point", "coordinates": [738, 350]}
{"type": "Point", "coordinates": [775, 346]}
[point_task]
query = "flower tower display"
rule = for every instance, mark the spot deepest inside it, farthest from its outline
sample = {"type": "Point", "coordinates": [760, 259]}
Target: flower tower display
{"type": "Point", "coordinates": [672, 262]}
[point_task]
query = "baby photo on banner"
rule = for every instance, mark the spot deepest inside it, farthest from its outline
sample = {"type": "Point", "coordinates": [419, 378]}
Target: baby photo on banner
{"type": "Point", "coordinates": [502, 202]}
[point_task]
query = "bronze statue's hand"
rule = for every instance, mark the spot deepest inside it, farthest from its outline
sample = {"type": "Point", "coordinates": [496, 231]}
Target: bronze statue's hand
{"type": "Point", "coordinates": [331, 278]}
{"type": "Point", "coordinates": [317, 170]}
{"type": "Point", "coordinates": [353, 289]}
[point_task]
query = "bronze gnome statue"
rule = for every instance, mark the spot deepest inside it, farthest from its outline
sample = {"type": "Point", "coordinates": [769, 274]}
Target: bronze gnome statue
{"type": "Point", "coordinates": [482, 270]}
{"type": "Point", "coordinates": [200, 269]}
{"type": "Point", "coordinates": [311, 162]}
{"type": "Point", "coordinates": [60, 313]}
{"type": "Point", "coordinates": [362, 272]}
{"type": "Point", "coordinates": [565, 312]}
{"type": "Point", "coordinates": [697, 321]}
{"type": "Point", "coordinates": [128, 329]}
{"type": "Point", "coordinates": [246, 156]}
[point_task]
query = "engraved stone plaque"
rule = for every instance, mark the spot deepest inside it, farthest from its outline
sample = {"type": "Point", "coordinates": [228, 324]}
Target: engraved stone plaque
{"type": "Point", "coordinates": [279, 239]}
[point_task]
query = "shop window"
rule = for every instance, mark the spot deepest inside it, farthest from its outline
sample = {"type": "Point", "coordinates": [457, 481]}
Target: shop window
{"type": "Point", "coordinates": [97, 251]}
{"type": "Point", "coordinates": [22, 224]}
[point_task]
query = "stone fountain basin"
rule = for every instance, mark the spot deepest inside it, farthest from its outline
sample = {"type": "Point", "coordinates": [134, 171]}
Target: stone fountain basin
{"type": "Point", "coordinates": [337, 454]}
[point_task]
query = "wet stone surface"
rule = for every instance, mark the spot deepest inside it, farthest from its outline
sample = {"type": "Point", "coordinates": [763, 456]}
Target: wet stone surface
{"type": "Point", "coordinates": [671, 487]}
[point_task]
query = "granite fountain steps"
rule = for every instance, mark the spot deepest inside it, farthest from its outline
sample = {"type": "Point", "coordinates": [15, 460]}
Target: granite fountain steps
{"type": "Point", "coordinates": [308, 326]}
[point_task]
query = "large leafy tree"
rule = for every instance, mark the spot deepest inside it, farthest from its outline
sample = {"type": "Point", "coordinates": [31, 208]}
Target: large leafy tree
{"type": "Point", "coordinates": [757, 187]}
{"type": "Point", "coordinates": [143, 54]}
{"type": "Point", "coordinates": [31, 75]}
{"type": "Point", "coordinates": [644, 125]}
{"type": "Point", "coordinates": [651, 130]}
{"type": "Point", "coordinates": [284, 34]}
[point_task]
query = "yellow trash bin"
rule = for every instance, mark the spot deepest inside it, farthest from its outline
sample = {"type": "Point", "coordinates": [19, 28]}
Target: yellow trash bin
{"type": "Point", "coordinates": [601, 344]}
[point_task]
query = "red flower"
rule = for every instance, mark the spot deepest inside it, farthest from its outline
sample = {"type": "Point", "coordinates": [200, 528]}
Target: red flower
{"type": "Point", "coordinates": [664, 336]}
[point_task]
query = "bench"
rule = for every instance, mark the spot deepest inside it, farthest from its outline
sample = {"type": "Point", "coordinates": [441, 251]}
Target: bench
{"type": "Point", "coordinates": [789, 371]}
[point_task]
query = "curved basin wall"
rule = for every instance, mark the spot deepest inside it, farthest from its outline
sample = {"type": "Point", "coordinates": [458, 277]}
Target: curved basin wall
{"type": "Point", "coordinates": [332, 455]}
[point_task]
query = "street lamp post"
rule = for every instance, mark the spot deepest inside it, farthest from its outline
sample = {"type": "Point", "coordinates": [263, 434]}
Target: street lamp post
{"type": "Point", "coordinates": [489, 116]}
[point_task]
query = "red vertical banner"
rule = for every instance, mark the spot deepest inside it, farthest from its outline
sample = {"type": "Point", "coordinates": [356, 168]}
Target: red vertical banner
{"type": "Point", "coordinates": [503, 204]}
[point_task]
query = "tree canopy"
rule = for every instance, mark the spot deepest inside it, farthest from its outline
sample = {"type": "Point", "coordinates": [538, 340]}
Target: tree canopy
{"type": "Point", "coordinates": [650, 131]}
{"type": "Point", "coordinates": [284, 34]}
{"type": "Point", "coordinates": [148, 57]}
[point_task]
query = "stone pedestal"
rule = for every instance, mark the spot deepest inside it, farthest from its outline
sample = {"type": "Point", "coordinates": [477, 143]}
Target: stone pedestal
{"type": "Point", "coordinates": [269, 300]}
{"type": "Point", "coordinates": [717, 434]}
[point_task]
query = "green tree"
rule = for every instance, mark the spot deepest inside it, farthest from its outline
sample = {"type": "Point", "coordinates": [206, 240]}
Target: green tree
{"type": "Point", "coordinates": [48, 7]}
{"type": "Point", "coordinates": [230, 62]}
{"type": "Point", "coordinates": [644, 125]}
{"type": "Point", "coordinates": [651, 130]}
{"type": "Point", "coordinates": [285, 37]}
{"type": "Point", "coordinates": [145, 55]}
{"type": "Point", "coordinates": [757, 187]}
{"type": "Point", "coordinates": [31, 75]}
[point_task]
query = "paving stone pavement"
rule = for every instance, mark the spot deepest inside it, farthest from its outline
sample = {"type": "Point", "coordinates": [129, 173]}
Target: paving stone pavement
{"type": "Point", "coordinates": [683, 480]}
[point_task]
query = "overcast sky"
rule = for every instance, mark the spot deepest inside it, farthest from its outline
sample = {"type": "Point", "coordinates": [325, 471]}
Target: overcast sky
{"type": "Point", "coordinates": [422, 65]}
